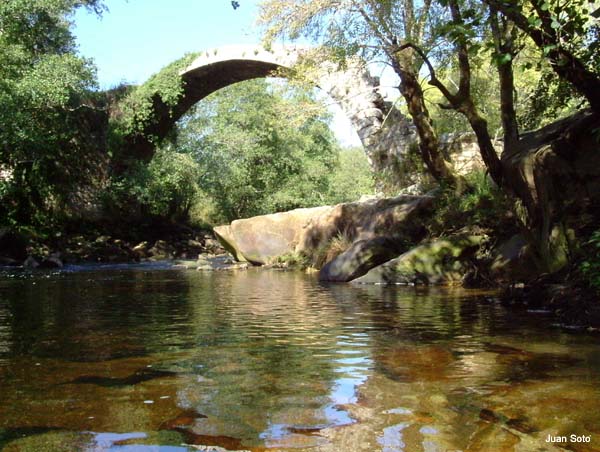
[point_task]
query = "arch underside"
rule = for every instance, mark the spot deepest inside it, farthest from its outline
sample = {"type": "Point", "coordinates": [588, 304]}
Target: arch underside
{"type": "Point", "coordinates": [198, 83]}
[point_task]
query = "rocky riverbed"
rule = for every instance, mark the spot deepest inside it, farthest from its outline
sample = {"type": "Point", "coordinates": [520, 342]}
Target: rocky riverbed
{"type": "Point", "coordinates": [18, 250]}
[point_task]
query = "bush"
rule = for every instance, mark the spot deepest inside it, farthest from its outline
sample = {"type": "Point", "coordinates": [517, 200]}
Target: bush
{"type": "Point", "coordinates": [166, 188]}
{"type": "Point", "coordinates": [260, 149]}
{"type": "Point", "coordinates": [352, 178]}
{"type": "Point", "coordinates": [483, 205]}
{"type": "Point", "coordinates": [590, 267]}
{"type": "Point", "coordinates": [331, 249]}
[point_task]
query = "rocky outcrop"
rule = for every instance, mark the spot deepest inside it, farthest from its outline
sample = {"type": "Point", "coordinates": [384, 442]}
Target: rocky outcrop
{"type": "Point", "coordinates": [512, 260]}
{"type": "Point", "coordinates": [442, 261]}
{"type": "Point", "coordinates": [261, 239]}
{"type": "Point", "coordinates": [555, 171]}
{"type": "Point", "coordinates": [360, 258]}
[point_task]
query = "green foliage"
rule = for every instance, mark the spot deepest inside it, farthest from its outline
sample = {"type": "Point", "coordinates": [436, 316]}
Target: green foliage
{"type": "Point", "coordinates": [351, 178]}
{"type": "Point", "coordinates": [249, 149]}
{"type": "Point", "coordinates": [590, 266]}
{"type": "Point", "coordinates": [261, 149]}
{"type": "Point", "coordinates": [330, 249]}
{"type": "Point", "coordinates": [292, 259]}
{"type": "Point", "coordinates": [137, 108]}
{"type": "Point", "coordinates": [48, 139]}
{"type": "Point", "coordinates": [548, 99]}
{"type": "Point", "coordinates": [167, 188]}
{"type": "Point", "coordinates": [173, 184]}
{"type": "Point", "coordinates": [483, 205]}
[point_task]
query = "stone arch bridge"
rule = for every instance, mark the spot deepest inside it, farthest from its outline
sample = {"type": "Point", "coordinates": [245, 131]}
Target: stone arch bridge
{"type": "Point", "coordinates": [383, 131]}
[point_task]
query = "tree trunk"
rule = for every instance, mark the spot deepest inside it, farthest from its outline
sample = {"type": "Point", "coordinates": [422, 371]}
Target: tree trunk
{"type": "Point", "coordinates": [564, 63]}
{"type": "Point", "coordinates": [504, 38]}
{"type": "Point", "coordinates": [429, 145]}
{"type": "Point", "coordinates": [486, 147]}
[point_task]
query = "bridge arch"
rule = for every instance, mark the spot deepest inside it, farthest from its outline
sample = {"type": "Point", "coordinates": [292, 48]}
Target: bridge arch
{"type": "Point", "coordinates": [354, 89]}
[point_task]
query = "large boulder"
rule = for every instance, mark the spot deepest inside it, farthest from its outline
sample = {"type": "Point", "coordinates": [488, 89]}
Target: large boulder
{"type": "Point", "coordinates": [360, 258]}
{"type": "Point", "coordinates": [555, 171]}
{"type": "Point", "coordinates": [263, 238]}
{"type": "Point", "coordinates": [512, 260]}
{"type": "Point", "coordinates": [442, 261]}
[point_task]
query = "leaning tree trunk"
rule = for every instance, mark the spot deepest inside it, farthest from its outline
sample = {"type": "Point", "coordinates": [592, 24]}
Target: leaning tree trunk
{"type": "Point", "coordinates": [429, 145]}
{"type": "Point", "coordinates": [484, 140]}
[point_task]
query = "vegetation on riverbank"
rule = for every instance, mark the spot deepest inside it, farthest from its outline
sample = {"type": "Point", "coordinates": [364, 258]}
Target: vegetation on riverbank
{"type": "Point", "coordinates": [259, 147]}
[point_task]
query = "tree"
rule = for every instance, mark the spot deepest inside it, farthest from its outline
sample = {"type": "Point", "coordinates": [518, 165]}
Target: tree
{"type": "Point", "coordinates": [566, 34]}
{"type": "Point", "coordinates": [352, 178]}
{"type": "Point", "coordinates": [165, 189]}
{"type": "Point", "coordinates": [372, 29]}
{"type": "Point", "coordinates": [260, 148]}
{"type": "Point", "coordinates": [47, 137]}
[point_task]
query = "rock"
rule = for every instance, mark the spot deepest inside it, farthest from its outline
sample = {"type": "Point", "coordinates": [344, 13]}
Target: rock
{"type": "Point", "coordinates": [108, 252]}
{"type": "Point", "coordinates": [8, 262]}
{"type": "Point", "coordinates": [194, 244]}
{"type": "Point", "coordinates": [212, 245]}
{"type": "Point", "coordinates": [512, 260]}
{"type": "Point", "coordinates": [31, 263]}
{"type": "Point", "coordinates": [261, 239]}
{"type": "Point", "coordinates": [52, 261]}
{"type": "Point", "coordinates": [359, 259]}
{"type": "Point", "coordinates": [555, 171]}
{"type": "Point", "coordinates": [442, 261]}
{"type": "Point", "coordinates": [162, 250]}
{"type": "Point", "coordinates": [226, 238]}
{"type": "Point", "coordinates": [141, 250]}
{"type": "Point", "coordinates": [422, 363]}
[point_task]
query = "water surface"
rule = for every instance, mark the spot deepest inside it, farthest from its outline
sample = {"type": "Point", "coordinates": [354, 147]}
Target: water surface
{"type": "Point", "coordinates": [134, 359]}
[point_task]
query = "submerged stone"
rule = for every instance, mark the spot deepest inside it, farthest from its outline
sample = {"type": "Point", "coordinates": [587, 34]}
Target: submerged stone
{"type": "Point", "coordinates": [359, 259]}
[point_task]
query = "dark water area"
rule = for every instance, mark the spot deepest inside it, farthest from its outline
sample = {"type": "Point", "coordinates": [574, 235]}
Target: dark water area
{"type": "Point", "coordinates": [146, 358]}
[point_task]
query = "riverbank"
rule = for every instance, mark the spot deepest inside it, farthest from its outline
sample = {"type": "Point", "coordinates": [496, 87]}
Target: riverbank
{"type": "Point", "coordinates": [54, 250]}
{"type": "Point", "coordinates": [564, 301]}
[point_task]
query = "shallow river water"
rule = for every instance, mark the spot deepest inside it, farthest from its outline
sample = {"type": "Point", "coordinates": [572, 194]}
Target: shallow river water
{"type": "Point", "coordinates": [135, 359]}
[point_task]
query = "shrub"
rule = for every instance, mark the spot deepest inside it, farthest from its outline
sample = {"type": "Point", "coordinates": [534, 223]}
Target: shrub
{"type": "Point", "coordinates": [482, 204]}
{"type": "Point", "coordinates": [590, 267]}
{"type": "Point", "coordinates": [166, 188]}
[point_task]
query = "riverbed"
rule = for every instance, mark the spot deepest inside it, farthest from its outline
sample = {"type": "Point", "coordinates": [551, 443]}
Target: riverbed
{"type": "Point", "coordinates": [134, 358]}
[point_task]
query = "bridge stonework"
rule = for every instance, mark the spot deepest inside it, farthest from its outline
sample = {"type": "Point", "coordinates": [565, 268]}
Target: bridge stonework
{"type": "Point", "coordinates": [384, 132]}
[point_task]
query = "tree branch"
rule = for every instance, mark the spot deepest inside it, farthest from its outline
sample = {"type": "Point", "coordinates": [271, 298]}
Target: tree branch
{"type": "Point", "coordinates": [433, 80]}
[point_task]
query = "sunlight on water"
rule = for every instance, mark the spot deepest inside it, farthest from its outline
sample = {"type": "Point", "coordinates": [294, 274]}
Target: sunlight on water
{"type": "Point", "coordinates": [145, 358]}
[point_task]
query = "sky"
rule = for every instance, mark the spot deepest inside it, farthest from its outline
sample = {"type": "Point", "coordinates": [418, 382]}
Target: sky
{"type": "Point", "coordinates": [136, 38]}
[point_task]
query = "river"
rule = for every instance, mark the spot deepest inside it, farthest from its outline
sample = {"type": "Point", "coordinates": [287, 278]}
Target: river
{"type": "Point", "coordinates": [140, 358]}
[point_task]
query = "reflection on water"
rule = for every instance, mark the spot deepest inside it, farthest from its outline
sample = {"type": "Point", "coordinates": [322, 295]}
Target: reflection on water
{"type": "Point", "coordinates": [123, 359]}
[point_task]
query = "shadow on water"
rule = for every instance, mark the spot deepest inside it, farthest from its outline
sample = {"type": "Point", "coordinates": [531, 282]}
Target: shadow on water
{"type": "Point", "coordinates": [10, 434]}
{"type": "Point", "coordinates": [139, 376]}
{"type": "Point", "coordinates": [270, 359]}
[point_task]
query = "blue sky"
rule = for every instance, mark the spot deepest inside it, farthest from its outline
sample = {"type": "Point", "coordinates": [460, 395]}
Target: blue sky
{"type": "Point", "coordinates": [136, 38]}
